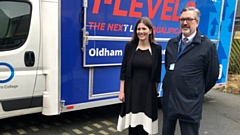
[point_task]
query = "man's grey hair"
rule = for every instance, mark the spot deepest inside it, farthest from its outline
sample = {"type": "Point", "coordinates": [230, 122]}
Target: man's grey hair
{"type": "Point", "coordinates": [195, 10]}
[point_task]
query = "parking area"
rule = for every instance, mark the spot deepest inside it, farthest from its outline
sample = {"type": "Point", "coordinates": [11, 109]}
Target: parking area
{"type": "Point", "coordinates": [220, 117]}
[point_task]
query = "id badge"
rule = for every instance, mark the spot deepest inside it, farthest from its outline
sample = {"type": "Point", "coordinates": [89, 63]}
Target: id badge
{"type": "Point", "coordinates": [172, 66]}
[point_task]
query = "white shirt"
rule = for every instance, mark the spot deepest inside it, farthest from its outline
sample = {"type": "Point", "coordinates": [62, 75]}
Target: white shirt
{"type": "Point", "coordinates": [150, 50]}
{"type": "Point", "coordinates": [190, 38]}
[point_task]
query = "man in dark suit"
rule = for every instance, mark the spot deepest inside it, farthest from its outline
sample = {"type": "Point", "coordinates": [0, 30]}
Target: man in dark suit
{"type": "Point", "coordinates": [192, 69]}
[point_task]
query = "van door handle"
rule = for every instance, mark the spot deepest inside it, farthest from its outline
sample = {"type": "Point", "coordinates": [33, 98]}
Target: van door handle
{"type": "Point", "coordinates": [29, 58]}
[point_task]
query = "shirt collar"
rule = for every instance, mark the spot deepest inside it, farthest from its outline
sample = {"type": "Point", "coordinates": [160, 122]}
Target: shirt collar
{"type": "Point", "coordinates": [150, 50]}
{"type": "Point", "coordinates": [190, 38]}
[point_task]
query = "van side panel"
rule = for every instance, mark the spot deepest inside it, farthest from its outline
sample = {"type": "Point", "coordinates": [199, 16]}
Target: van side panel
{"type": "Point", "coordinates": [90, 72]}
{"type": "Point", "coordinates": [74, 78]}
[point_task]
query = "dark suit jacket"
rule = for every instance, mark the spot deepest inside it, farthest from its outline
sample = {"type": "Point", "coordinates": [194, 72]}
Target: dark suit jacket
{"type": "Point", "coordinates": [130, 49]}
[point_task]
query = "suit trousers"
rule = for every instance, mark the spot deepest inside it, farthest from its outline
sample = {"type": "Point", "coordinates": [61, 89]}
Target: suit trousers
{"type": "Point", "coordinates": [185, 127]}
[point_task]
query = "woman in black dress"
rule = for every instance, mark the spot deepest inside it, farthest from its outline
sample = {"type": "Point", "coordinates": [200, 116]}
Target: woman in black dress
{"type": "Point", "coordinates": [139, 78]}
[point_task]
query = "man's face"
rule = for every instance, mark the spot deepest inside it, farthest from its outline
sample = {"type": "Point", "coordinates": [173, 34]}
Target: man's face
{"type": "Point", "coordinates": [188, 23]}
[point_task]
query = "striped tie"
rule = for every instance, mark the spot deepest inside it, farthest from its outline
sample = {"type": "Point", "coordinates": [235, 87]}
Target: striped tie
{"type": "Point", "coordinates": [185, 40]}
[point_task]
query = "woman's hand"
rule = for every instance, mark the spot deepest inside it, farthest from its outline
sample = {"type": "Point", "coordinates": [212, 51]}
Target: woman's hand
{"type": "Point", "coordinates": [121, 96]}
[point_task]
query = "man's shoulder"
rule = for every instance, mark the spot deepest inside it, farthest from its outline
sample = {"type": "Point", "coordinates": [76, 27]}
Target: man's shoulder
{"type": "Point", "coordinates": [206, 43]}
{"type": "Point", "coordinates": [206, 40]}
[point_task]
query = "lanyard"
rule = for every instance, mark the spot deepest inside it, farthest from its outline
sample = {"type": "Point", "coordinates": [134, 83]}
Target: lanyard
{"type": "Point", "coordinates": [179, 51]}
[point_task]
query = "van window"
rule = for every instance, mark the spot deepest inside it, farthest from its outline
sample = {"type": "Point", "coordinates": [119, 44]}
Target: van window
{"type": "Point", "coordinates": [15, 23]}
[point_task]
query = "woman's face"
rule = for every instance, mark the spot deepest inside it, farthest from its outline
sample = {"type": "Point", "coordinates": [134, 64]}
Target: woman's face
{"type": "Point", "coordinates": [143, 32]}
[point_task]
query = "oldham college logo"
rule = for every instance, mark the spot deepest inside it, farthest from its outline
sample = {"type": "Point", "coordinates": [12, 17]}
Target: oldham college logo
{"type": "Point", "coordinates": [9, 74]}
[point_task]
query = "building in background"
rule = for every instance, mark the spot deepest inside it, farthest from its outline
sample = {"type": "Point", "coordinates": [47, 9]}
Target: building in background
{"type": "Point", "coordinates": [237, 19]}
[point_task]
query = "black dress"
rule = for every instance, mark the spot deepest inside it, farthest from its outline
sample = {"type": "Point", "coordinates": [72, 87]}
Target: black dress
{"type": "Point", "coordinates": [140, 106]}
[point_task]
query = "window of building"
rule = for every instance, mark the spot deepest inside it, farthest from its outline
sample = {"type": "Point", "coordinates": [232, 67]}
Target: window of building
{"type": "Point", "coordinates": [237, 21]}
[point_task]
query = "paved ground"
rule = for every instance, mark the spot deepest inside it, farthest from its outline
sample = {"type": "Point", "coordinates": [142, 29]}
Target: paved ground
{"type": "Point", "coordinates": [97, 121]}
{"type": "Point", "coordinates": [221, 116]}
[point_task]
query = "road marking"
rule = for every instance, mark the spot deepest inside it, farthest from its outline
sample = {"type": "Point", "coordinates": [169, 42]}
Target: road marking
{"type": "Point", "coordinates": [21, 131]}
{"type": "Point", "coordinates": [65, 134]}
{"type": "Point", "coordinates": [88, 128]}
{"type": "Point", "coordinates": [112, 129]}
{"type": "Point", "coordinates": [77, 131]}
{"type": "Point", "coordinates": [103, 132]}
{"type": "Point", "coordinates": [108, 123]}
{"type": "Point", "coordinates": [6, 133]}
{"type": "Point", "coordinates": [97, 125]}
{"type": "Point", "coordinates": [34, 128]}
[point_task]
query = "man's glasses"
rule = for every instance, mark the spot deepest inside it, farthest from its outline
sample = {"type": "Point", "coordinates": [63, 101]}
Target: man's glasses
{"type": "Point", "coordinates": [186, 19]}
